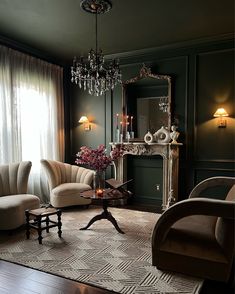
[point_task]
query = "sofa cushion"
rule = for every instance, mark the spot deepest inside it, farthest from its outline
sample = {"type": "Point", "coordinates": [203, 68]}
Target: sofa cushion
{"type": "Point", "coordinates": [12, 209]}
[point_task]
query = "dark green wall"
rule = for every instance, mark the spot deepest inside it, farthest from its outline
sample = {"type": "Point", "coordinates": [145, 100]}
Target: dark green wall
{"type": "Point", "coordinates": [202, 80]}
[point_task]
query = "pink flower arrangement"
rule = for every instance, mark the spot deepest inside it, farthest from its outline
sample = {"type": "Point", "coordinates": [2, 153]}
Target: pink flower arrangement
{"type": "Point", "coordinates": [97, 159]}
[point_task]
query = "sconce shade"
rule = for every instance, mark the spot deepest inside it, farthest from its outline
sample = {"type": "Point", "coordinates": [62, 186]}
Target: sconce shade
{"type": "Point", "coordinates": [220, 112]}
{"type": "Point", "coordinates": [83, 119]}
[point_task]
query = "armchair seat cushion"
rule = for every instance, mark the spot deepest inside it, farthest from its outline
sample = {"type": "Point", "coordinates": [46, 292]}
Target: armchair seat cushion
{"type": "Point", "coordinates": [194, 236]}
{"type": "Point", "coordinates": [70, 189]}
{"type": "Point", "coordinates": [68, 194]}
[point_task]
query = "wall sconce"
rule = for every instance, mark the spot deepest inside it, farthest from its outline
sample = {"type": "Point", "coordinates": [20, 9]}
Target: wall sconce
{"type": "Point", "coordinates": [85, 121]}
{"type": "Point", "coordinates": [221, 113]}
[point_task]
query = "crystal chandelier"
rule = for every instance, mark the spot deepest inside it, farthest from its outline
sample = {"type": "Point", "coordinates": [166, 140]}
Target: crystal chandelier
{"type": "Point", "coordinates": [163, 104]}
{"type": "Point", "coordinates": [92, 74]}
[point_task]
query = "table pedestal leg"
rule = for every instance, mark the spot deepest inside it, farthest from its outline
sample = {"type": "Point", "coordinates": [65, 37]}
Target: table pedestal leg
{"type": "Point", "coordinates": [104, 215]}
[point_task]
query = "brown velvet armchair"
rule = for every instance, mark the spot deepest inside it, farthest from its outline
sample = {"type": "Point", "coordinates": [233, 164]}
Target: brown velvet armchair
{"type": "Point", "coordinates": [196, 236]}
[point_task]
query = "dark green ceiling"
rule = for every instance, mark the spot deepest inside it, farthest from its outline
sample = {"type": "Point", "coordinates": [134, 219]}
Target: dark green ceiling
{"type": "Point", "coordinates": [61, 29]}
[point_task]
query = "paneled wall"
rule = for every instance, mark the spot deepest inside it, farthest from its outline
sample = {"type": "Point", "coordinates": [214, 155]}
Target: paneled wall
{"type": "Point", "coordinates": [214, 147]}
{"type": "Point", "coordinates": [202, 80]}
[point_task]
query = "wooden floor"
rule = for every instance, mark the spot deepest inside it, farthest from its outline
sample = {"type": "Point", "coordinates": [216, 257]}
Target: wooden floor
{"type": "Point", "coordinates": [17, 279]}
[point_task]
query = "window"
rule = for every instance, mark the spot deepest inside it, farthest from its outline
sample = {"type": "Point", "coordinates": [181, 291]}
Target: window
{"type": "Point", "coordinates": [31, 112]}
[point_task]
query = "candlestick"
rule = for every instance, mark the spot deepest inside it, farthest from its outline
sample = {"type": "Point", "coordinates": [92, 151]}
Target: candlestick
{"type": "Point", "coordinates": [127, 132]}
{"type": "Point", "coordinates": [128, 137]}
{"type": "Point", "coordinates": [121, 138]}
{"type": "Point", "coordinates": [132, 135]}
{"type": "Point", "coordinates": [117, 135]}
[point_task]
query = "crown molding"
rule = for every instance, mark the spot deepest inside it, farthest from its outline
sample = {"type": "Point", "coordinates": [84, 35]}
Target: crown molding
{"type": "Point", "coordinates": [201, 42]}
{"type": "Point", "coordinates": [29, 50]}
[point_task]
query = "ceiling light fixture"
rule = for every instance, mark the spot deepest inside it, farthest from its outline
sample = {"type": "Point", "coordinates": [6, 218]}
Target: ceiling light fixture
{"type": "Point", "coordinates": [94, 75]}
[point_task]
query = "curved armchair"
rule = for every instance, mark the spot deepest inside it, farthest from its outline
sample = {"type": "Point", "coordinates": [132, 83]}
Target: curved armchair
{"type": "Point", "coordinates": [196, 236]}
{"type": "Point", "coordinates": [14, 199]}
{"type": "Point", "coordinates": [66, 182]}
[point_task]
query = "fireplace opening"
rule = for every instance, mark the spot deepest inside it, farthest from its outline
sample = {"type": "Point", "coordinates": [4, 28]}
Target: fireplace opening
{"type": "Point", "coordinates": [147, 184]}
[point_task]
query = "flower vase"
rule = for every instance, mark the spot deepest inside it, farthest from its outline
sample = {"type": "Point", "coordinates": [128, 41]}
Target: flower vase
{"type": "Point", "coordinates": [99, 182]}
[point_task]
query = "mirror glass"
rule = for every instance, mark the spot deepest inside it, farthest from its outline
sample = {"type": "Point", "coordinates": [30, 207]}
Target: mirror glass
{"type": "Point", "coordinates": [147, 98]}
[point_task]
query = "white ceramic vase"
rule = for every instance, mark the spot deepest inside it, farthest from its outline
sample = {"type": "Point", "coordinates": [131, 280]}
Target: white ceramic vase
{"type": "Point", "coordinates": [162, 135]}
{"type": "Point", "coordinates": [148, 138]}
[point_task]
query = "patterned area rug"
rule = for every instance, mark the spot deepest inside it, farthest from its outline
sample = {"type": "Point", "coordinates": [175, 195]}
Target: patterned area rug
{"type": "Point", "coordinates": [99, 256]}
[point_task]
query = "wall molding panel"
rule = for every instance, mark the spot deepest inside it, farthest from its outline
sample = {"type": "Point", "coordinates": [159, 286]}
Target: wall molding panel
{"type": "Point", "coordinates": [200, 70]}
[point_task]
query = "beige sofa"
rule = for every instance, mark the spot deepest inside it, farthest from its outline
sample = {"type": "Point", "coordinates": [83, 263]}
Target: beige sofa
{"type": "Point", "coordinates": [196, 236]}
{"type": "Point", "coordinates": [14, 199]}
{"type": "Point", "coordinates": [66, 182]}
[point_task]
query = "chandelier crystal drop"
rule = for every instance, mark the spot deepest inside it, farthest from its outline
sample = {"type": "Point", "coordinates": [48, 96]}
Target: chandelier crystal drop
{"type": "Point", "coordinates": [93, 74]}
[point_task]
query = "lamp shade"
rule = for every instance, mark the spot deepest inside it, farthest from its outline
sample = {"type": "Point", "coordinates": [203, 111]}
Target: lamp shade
{"type": "Point", "coordinates": [83, 119]}
{"type": "Point", "coordinates": [220, 112]}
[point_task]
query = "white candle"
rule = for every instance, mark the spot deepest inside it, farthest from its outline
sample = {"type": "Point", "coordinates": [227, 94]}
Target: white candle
{"type": "Point", "coordinates": [121, 127]}
{"type": "Point", "coordinates": [131, 122]}
{"type": "Point", "coordinates": [117, 115]}
{"type": "Point", "coordinates": [127, 123]}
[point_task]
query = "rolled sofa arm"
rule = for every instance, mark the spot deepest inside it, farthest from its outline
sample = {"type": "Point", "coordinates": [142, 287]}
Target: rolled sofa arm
{"type": "Point", "coordinates": [211, 182]}
{"type": "Point", "coordinates": [193, 206]}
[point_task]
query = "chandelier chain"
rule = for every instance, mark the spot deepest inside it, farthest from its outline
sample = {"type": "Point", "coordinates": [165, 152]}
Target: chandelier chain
{"type": "Point", "coordinates": [96, 34]}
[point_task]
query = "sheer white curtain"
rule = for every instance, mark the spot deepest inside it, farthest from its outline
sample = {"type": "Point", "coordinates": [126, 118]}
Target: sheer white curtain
{"type": "Point", "coordinates": [31, 113]}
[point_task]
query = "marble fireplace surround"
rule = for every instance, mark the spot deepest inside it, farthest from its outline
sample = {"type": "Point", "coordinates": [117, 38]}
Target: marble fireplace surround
{"type": "Point", "coordinates": [170, 155]}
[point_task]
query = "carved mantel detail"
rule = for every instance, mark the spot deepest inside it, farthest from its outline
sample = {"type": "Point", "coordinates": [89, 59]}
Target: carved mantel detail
{"type": "Point", "coordinates": [170, 155]}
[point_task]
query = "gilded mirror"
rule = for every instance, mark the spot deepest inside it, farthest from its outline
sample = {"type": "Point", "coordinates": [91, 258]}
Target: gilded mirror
{"type": "Point", "coordinates": [146, 100]}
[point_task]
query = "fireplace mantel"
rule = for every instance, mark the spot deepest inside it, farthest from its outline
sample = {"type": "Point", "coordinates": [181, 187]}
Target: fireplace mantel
{"type": "Point", "coordinates": [170, 154]}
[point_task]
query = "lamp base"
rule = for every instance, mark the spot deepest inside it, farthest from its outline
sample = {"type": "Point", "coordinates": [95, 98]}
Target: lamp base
{"type": "Point", "coordinates": [222, 123]}
{"type": "Point", "coordinates": [87, 127]}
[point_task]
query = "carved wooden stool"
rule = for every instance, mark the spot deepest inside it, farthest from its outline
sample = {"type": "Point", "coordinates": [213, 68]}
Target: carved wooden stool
{"type": "Point", "coordinates": [41, 221]}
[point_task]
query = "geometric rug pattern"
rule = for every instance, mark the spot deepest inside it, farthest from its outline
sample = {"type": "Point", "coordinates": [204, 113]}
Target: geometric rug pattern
{"type": "Point", "coordinates": [99, 256]}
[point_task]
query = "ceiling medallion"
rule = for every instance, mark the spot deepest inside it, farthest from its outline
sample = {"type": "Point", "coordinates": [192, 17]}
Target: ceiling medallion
{"type": "Point", "coordinates": [96, 6]}
{"type": "Point", "coordinates": [92, 74]}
